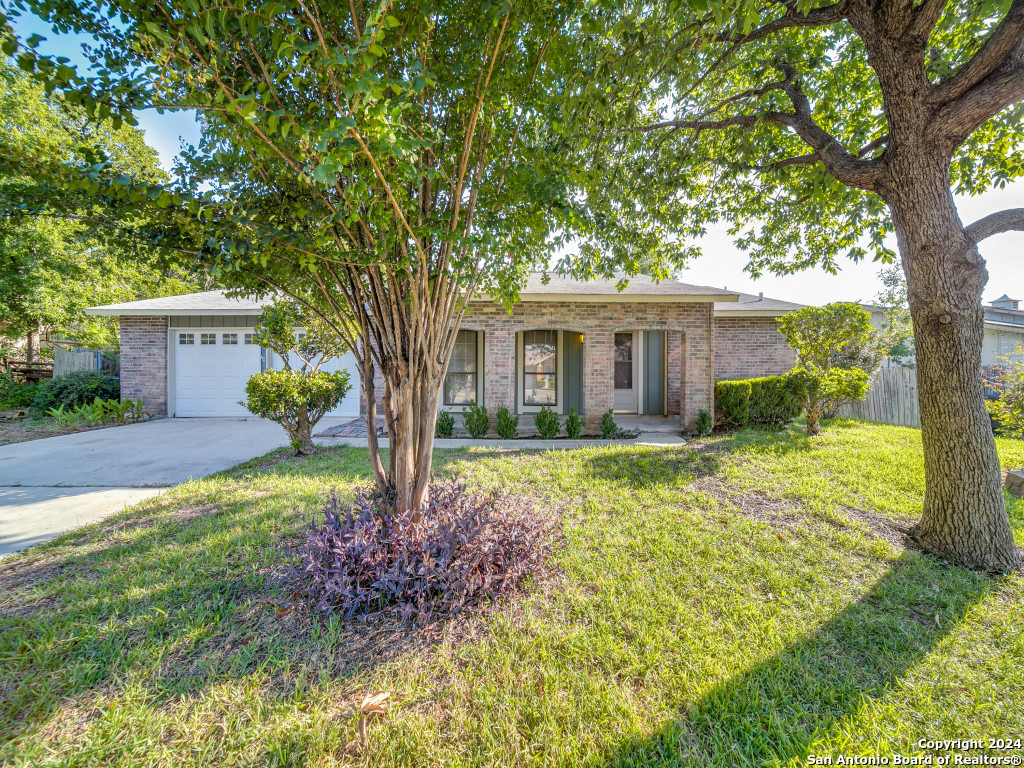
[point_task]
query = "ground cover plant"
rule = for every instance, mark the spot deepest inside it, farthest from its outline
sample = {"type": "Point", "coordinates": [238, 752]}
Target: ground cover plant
{"type": "Point", "coordinates": [459, 552]}
{"type": "Point", "coordinates": [745, 603]}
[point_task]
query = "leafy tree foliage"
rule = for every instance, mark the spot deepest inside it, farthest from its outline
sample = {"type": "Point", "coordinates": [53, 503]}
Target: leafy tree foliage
{"type": "Point", "coordinates": [897, 327]}
{"type": "Point", "coordinates": [53, 266]}
{"type": "Point", "coordinates": [816, 129]}
{"type": "Point", "coordinates": [1007, 380]}
{"type": "Point", "coordinates": [837, 351]}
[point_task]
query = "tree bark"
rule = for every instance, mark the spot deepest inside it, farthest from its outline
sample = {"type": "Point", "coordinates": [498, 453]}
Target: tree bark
{"type": "Point", "coordinates": [964, 516]}
{"type": "Point", "coordinates": [813, 422]}
{"type": "Point", "coordinates": [33, 343]}
{"type": "Point", "coordinates": [410, 409]}
{"type": "Point", "coordinates": [301, 434]}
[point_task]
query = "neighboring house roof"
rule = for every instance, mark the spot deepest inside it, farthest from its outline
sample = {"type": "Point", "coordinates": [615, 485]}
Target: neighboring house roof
{"type": "Point", "coordinates": [749, 305]}
{"type": "Point", "coordinates": [206, 303]}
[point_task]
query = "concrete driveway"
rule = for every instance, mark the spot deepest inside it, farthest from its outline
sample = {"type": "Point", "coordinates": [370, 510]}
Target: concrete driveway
{"type": "Point", "coordinates": [55, 484]}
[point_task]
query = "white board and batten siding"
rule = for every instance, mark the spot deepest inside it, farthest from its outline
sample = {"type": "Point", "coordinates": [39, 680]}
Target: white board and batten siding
{"type": "Point", "coordinates": [891, 399]}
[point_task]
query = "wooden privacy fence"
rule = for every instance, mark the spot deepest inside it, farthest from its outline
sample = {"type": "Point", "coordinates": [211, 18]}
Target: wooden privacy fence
{"type": "Point", "coordinates": [891, 399]}
{"type": "Point", "coordinates": [69, 360]}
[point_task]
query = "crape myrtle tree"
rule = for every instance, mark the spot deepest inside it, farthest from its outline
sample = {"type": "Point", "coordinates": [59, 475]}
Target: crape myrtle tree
{"type": "Point", "coordinates": [816, 129]}
{"type": "Point", "coordinates": [387, 158]}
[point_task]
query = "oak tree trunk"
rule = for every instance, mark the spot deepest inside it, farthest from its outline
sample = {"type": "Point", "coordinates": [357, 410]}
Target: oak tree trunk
{"type": "Point", "coordinates": [964, 516]}
{"type": "Point", "coordinates": [813, 422]}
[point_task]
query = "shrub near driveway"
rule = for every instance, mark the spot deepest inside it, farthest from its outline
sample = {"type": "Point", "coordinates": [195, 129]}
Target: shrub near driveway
{"type": "Point", "coordinates": [737, 606]}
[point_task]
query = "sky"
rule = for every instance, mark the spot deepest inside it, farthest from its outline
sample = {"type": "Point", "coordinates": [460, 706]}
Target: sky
{"type": "Point", "coordinates": [721, 264]}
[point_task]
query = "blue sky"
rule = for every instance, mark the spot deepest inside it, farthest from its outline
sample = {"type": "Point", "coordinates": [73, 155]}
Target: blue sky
{"type": "Point", "coordinates": [722, 263]}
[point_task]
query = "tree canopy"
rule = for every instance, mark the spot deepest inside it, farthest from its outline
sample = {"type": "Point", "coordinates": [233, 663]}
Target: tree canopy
{"type": "Point", "coordinates": [55, 260]}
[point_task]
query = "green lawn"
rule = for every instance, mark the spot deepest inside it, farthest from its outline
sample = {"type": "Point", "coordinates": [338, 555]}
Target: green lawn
{"type": "Point", "coordinates": [739, 605]}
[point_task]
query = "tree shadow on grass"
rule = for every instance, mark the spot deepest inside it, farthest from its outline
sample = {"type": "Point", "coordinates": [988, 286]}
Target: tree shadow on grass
{"type": "Point", "coordinates": [775, 711]}
{"type": "Point", "coordinates": [176, 597]}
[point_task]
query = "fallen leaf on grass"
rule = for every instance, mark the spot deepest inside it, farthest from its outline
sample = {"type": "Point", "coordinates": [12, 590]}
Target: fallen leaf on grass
{"type": "Point", "coordinates": [372, 705]}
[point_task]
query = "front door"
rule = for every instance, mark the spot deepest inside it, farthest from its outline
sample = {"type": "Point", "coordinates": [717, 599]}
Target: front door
{"type": "Point", "coordinates": [625, 372]}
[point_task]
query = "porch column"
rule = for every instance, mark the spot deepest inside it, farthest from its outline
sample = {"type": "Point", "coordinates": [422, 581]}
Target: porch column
{"type": "Point", "coordinates": [598, 375]}
{"type": "Point", "coordinates": [698, 371]}
{"type": "Point", "coordinates": [500, 369]}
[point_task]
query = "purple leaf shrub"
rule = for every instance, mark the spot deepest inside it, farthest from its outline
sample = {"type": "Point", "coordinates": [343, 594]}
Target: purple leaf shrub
{"type": "Point", "coordinates": [460, 550]}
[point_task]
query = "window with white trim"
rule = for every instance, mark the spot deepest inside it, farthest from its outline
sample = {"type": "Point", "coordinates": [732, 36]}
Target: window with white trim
{"type": "Point", "coordinates": [229, 338]}
{"type": "Point", "coordinates": [540, 367]}
{"type": "Point", "coordinates": [249, 338]}
{"type": "Point", "coordinates": [186, 338]}
{"type": "Point", "coordinates": [207, 338]}
{"type": "Point", "coordinates": [460, 383]}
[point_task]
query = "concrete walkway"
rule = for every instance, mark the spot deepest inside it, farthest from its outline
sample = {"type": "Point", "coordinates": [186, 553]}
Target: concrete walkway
{"type": "Point", "coordinates": [52, 485]}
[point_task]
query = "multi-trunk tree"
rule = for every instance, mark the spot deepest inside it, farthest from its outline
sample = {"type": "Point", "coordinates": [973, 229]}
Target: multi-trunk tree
{"type": "Point", "coordinates": [378, 161]}
{"type": "Point", "coordinates": [816, 129]}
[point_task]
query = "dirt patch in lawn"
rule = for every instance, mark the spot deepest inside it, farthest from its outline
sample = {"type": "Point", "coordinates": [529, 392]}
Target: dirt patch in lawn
{"type": "Point", "coordinates": [759, 506]}
{"type": "Point", "coordinates": [30, 429]}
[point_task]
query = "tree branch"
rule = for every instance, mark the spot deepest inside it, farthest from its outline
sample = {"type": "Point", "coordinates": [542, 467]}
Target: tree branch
{"type": "Point", "coordinates": [816, 17]}
{"type": "Point", "coordinates": [1012, 219]}
{"type": "Point", "coordinates": [956, 121]}
{"type": "Point", "coordinates": [994, 54]}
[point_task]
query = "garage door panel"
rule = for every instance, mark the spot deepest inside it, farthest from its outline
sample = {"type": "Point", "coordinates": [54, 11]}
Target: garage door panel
{"type": "Point", "coordinates": [210, 379]}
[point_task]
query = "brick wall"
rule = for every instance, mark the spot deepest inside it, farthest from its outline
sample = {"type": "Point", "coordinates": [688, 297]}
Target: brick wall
{"type": "Point", "coordinates": [749, 347]}
{"type": "Point", "coordinates": [688, 325]}
{"type": "Point", "coordinates": [144, 362]}
{"type": "Point", "coordinates": [688, 338]}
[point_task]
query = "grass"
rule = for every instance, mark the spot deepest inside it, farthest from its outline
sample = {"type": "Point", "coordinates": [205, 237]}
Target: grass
{"type": "Point", "coordinates": [741, 605]}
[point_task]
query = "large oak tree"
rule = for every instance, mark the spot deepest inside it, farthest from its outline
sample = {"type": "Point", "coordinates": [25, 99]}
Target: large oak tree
{"type": "Point", "coordinates": [816, 129]}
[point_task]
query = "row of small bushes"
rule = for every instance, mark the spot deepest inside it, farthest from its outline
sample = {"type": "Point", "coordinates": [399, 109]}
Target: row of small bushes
{"type": "Point", "coordinates": [548, 426]}
{"type": "Point", "coordinates": [766, 400]}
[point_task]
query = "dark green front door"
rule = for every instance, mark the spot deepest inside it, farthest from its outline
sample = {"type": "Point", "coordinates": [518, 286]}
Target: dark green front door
{"type": "Point", "coordinates": [654, 373]}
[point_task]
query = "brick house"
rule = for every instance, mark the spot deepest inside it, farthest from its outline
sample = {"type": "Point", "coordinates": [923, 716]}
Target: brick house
{"type": "Point", "coordinates": [651, 349]}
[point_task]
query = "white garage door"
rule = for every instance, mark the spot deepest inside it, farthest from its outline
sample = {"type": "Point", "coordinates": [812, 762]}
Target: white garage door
{"type": "Point", "coordinates": [211, 369]}
{"type": "Point", "coordinates": [348, 408]}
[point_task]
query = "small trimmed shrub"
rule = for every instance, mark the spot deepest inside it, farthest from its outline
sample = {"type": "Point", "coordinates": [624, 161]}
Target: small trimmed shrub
{"type": "Point", "coordinates": [507, 425]}
{"type": "Point", "coordinates": [732, 402]}
{"type": "Point", "coordinates": [444, 427]}
{"type": "Point", "coordinates": [609, 428]}
{"type": "Point", "coordinates": [14, 393]}
{"type": "Point", "coordinates": [704, 423]}
{"type": "Point", "coordinates": [573, 425]}
{"type": "Point", "coordinates": [774, 399]}
{"type": "Point", "coordinates": [459, 552]}
{"type": "Point", "coordinates": [73, 390]}
{"type": "Point", "coordinates": [476, 421]}
{"type": "Point", "coordinates": [546, 423]}
{"type": "Point", "coordinates": [296, 400]}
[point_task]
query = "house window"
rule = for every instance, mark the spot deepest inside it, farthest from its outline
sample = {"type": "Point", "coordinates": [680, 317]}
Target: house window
{"type": "Point", "coordinates": [248, 338]}
{"type": "Point", "coordinates": [230, 338]}
{"type": "Point", "coordinates": [540, 367]}
{"type": "Point", "coordinates": [186, 338]}
{"type": "Point", "coordinates": [207, 338]}
{"type": "Point", "coordinates": [461, 382]}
